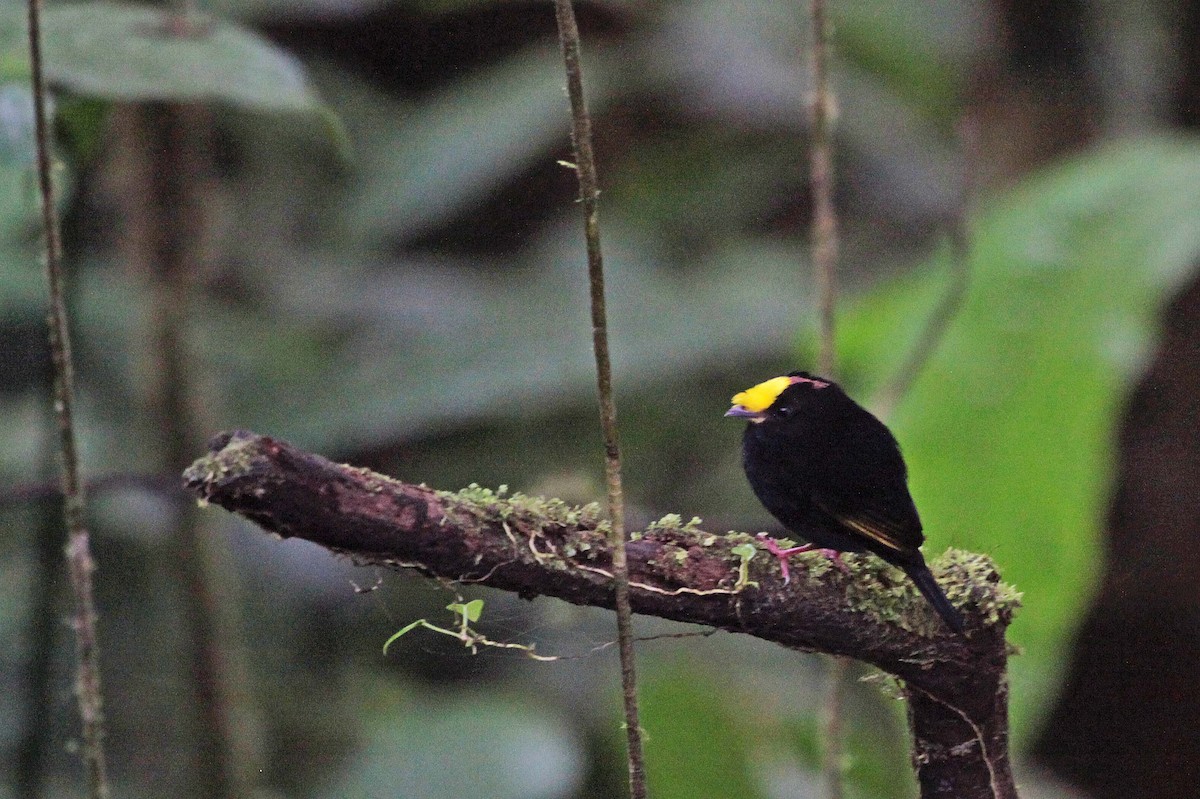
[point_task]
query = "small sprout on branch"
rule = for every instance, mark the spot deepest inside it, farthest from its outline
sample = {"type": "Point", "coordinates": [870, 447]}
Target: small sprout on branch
{"type": "Point", "coordinates": [470, 611]}
{"type": "Point", "coordinates": [467, 613]}
{"type": "Point", "coordinates": [745, 553]}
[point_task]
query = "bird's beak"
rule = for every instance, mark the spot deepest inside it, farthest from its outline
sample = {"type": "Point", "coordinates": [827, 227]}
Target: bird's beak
{"type": "Point", "coordinates": [742, 412]}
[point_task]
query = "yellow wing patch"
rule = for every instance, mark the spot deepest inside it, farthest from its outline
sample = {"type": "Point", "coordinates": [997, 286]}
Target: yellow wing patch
{"type": "Point", "coordinates": [874, 533]}
{"type": "Point", "coordinates": [759, 398]}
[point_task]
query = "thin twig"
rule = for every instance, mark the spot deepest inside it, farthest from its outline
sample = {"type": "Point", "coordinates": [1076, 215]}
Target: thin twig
{"type": "Point", "coordinates": [589, 192]}
{"type": "Point", "coordinates": [955, 294]}
{"type": "Point", "coordinates": [824, 220]}
{"type": "Point", "coordinates": [80, 564]}
{"type": "Point", "coordinates": [824, 236]}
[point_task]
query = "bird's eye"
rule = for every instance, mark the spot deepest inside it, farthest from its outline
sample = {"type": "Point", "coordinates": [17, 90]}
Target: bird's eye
{"type": "Point", "coordinates": [783, 411]}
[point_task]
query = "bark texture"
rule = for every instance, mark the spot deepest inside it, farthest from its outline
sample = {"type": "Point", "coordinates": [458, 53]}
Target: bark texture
{"type": "Point", "coordinates": [956, 685]}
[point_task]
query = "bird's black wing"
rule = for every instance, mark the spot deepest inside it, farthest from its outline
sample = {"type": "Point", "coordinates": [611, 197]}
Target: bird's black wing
{"type": "Point", "coordinates": [888, 520]}
{"type": "Point", "coordinates": [863, 485]}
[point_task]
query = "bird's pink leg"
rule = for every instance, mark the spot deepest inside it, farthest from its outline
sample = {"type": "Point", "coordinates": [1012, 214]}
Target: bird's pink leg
{"type": "Point", "coordinates": [783, 555]}
{"type": "Point", "coordinates": [836, 557]}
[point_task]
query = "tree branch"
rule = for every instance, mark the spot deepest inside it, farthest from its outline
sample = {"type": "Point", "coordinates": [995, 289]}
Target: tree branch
{"type": "Point", "coordinates": [534, 546]}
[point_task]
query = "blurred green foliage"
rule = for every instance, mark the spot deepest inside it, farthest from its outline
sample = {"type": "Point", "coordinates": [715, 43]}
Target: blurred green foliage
{"type": "Point", "coordinates": [1010, 432]}
{"type": "Point", "coordinates": [421, 306]}
{"type": "Point", "coordinates": [130, 53]}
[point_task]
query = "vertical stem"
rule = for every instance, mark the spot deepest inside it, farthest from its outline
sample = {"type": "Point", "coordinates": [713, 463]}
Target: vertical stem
{"type": "Point", "coordinates": [824, 236]}
{"type": "Point", "coordinates": [80, 564]}
{"type": "Point", "coordinates": [585, 169]}
{"type": "Point", "coordinates": [832, 716]}
{"type": "Point", "coordinates": [171, 140]}
{"type": "Point", "coordinates": [824, 221]}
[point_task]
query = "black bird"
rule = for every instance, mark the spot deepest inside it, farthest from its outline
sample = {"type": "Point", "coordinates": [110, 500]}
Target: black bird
{"type": "Point", "coordinates": [833, 474]}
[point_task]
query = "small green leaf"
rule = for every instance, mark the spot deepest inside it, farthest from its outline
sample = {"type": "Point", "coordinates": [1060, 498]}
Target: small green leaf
{"type": "Point", "coordinates": [746, 553]}
{"type": "Point", "coordinates": [471, 611]}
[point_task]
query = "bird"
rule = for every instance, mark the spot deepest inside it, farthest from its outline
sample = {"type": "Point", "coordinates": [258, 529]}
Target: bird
{"type": "Point", "coordinates": [833, 474]}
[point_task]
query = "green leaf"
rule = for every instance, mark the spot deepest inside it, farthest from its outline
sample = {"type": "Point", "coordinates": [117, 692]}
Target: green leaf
{"type": "Point", "coordinates": [470, 610]}
{"type": "Point", "coordinates": [1009, 432]}
{"type": "Point", "coordinates": [129, 53]}
{"type": "Point", "coordinates": [745, 553]}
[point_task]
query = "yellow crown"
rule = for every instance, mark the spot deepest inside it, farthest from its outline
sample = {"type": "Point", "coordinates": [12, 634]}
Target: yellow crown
{"type": "Point", "coordinates": [759, 398]}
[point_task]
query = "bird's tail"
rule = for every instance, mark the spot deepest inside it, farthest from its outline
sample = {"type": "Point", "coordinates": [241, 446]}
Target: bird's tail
{"type": "Point", "coordinates": [921, 575]}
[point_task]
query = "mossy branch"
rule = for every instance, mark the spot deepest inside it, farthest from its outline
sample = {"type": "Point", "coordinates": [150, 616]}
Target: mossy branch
{"type": "Point", "coordinates": [535, 546]}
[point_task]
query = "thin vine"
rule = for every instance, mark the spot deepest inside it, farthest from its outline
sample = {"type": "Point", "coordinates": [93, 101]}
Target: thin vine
{"type": "Point", "coordinates": [824, 244]}
{"type": "Point", "coordinates": [80, 564]}
{"type": "Point", "coordinates": [589, 193]}
{"type": "Point", "coordinates": [824, 221]}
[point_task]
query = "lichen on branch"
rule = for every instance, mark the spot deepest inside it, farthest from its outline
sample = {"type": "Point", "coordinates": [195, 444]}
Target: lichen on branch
{"type": "Point", "coordinates": [538, 546]}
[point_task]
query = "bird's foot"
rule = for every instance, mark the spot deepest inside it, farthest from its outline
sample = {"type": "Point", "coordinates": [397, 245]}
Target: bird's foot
{"type": "Point", "coordinates": [783, 554]}
{"type": "Point", "coordinates": [836, 557]}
